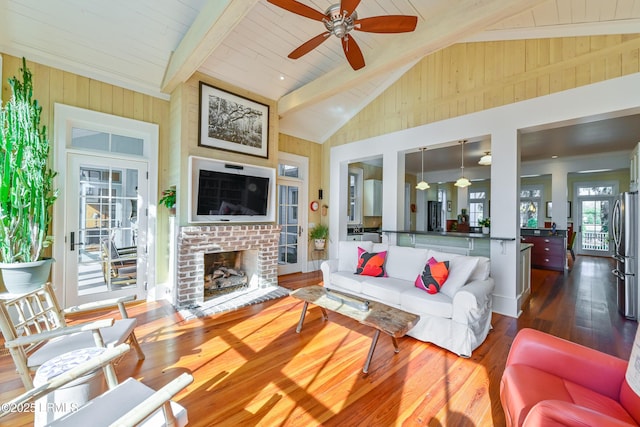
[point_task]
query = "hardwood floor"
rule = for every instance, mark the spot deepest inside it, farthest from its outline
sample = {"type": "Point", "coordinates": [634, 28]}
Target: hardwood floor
{"type": "Point", "coordinates": [251, 368]}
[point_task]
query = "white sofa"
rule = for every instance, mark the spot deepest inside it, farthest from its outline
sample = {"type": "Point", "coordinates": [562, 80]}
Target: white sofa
{"type": "Point", "coordinates": [457, 318]}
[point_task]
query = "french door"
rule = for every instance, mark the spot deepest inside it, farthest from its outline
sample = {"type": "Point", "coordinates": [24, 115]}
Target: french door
{"type": "Point", "coordinates": [292, 213]}
{"type": "Point", "coordinates": [105, 251]}
{"type": "Point", "coordinates": [594, 236]}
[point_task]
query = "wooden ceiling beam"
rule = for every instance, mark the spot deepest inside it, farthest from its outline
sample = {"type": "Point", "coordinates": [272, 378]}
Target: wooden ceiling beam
{"type": "Point", "coordinates": [452, 24]}
{"type": "Point", "coordinates": [210, 28]}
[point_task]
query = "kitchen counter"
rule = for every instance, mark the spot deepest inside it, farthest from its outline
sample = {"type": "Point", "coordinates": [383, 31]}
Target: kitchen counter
{"type": "Point", "coordinates": [450, 241]}
{"type": "Point", "coordinates": [441, 233]}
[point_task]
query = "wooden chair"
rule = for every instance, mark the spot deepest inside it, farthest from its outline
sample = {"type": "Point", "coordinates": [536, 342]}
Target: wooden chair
{"type": "Point", "coordinates": [35, 330]}
{"type": "Point", "coordinates": [570, 243]}
{"type": "Point", "coordinates": [119, 265]}
{"type": "Point", "coordinates": [130, 403]}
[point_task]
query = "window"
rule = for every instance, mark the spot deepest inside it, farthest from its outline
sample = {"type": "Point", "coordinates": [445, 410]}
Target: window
{"type": "Point", "coordinates": [477, 206]}
{"type": "Point", "coordinates": [355, 196]}
{"type": "Point", "coordinates": [288, 170]}
{"type": "Point", "coordinates": [530, 204]}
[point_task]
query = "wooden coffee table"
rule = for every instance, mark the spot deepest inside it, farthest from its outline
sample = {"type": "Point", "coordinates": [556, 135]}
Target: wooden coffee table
{"type": "Point", "coordinates": [392, 321]}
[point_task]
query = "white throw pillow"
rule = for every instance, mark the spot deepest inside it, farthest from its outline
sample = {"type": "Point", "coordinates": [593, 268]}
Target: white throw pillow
{"type": "Point", "coordinates": [404, 262]}
{"type": "Point", "coordinates": [460, 269]}
{"type": "Point", "coordinates": [348, 254]}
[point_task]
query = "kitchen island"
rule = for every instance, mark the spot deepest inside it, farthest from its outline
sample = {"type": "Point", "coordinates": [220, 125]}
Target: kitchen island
{"type": "Point", "coordinates": [549, 250]}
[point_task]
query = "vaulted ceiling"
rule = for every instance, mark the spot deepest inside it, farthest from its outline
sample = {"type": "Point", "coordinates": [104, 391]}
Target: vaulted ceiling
{"type": "Point", "coordinates": [153, 45]}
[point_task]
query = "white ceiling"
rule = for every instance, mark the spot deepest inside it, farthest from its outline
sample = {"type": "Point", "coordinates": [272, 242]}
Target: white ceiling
{"type": "Point", "coordinates": [153, 45]}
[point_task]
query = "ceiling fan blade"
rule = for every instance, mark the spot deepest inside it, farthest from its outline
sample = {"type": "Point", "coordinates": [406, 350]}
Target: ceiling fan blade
{"type": "Point", "coordinates": [349, 6]}
{"type": "Point", "coordinates": [352, 52]}
{"type": "Point", "coordinates": [308, 46]}
{"type": "Point", "coordinates": [387, 24]}
{"type": "Point", "coordinates": [298, 8]}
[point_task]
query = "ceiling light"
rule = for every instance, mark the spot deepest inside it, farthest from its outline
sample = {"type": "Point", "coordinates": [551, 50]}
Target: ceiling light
{"type": "Point", "coordinates": [486, 159]}
{"type": "Point", "coordinates": [462, 182]}
{"type": "Point", "coordinates": [554, 157]}
{"type": "Point", "coordinates": [422, 185]}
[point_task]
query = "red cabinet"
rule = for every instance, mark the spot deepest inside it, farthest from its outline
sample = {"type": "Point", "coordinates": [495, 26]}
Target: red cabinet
{"type": "Point", "coordinates": [548, 252]}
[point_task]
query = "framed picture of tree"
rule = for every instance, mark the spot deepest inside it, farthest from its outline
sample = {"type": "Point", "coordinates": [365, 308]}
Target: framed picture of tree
{"type": "Point", "coordinates": [233, 123]}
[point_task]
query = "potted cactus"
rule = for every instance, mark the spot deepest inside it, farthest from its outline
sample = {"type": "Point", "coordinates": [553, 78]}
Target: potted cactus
{"type": "Point", "coordinates": [26, 189]}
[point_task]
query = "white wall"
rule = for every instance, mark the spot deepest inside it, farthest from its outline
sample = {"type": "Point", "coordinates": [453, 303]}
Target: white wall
{"type": "Point", "coordinates": [503, 125]}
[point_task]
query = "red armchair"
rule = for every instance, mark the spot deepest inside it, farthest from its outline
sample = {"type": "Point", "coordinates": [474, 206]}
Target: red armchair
{"type": "Point", "coordinates": [549, 381]}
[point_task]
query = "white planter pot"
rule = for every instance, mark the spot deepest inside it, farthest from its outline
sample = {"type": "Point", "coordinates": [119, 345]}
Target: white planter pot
{"type": "Point", "coordinates": [23, 277]}
{"type": "Point", "coordinates": [485, 230]}
{"type": "Point", "coordinates": [319, 244]}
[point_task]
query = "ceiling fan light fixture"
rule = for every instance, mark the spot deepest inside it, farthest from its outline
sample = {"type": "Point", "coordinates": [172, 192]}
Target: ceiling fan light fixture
{"type": "Point", "coordinates": [486, 159]}
{"type": "Point", "coordinates": [462, 182]}
{"type": "Point", "coordinates": [337, 22]}
{"type": "Point", "coordinates": [422, 185]}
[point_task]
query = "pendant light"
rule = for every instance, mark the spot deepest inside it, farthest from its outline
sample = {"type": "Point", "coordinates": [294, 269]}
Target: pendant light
{"type": "Point", "coordinates": [462, 182]}
{"type": "Point", "coordinates": [422, 185]}
{"type": "Point", "coordinates": [486, 159]}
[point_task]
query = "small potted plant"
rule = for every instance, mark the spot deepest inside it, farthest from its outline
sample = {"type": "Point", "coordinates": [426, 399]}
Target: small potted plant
{"type": "Point", "coordinates": [485, 224]}
{"type": "Point", "coordinates": [169, 200]}
{"type": "Point", "coordinates": [319, 234]}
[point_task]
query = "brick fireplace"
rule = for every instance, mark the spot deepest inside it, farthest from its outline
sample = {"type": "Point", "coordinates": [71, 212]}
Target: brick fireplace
{"type": "Point", "coordinates": [193, 242]}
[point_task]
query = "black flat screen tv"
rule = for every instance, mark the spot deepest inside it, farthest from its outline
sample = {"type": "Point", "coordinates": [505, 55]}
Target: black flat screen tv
{"type": "Point", "coordinates": [231, 192]}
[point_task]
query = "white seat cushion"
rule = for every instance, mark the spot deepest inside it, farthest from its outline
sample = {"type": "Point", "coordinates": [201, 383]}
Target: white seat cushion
{"type": "Point", "coordinates": [347, 280]}
{"type": "Point", "coordinates": [418, 301]}
{"type": "Point", "coordinates": [108, 407]}
{"type": "Point", "coordinates": [385, 289]}
{"type": "Point", "coordinates": [112, 336]}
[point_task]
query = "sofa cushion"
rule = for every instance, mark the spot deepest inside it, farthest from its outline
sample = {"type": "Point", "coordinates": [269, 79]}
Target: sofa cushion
{"type": "Point", "coordinates": [433, 276]}
{"type": "Point", "coordinates": [405, 263]}
{"type": "Point", "coordinates": [385, 289]}
{"type": "Point", "coordinates": [348, 254]}
{"type": "Point", "coordinates": [482, 270]}
{"type": "Point", "coordinates": [371, 263]}
{"type": "Point", "coordinates": [347, 281]}
{"type": "Point", "coordinates": [460, 269]}
{"type": "Point", "coordinates": [417, 301]}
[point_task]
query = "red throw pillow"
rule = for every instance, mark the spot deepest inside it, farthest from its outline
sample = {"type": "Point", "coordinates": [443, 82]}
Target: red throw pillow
{"type": "Point", "coordinates": [433, 276]}
{"type": "Point", "coordinates": [371, 263]}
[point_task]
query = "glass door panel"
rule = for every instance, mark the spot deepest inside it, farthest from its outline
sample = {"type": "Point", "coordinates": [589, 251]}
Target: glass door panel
{"type": "Point", "coordinates": [594, 217]}
{"type": "Point", "coordinates": [105, 255]}
{"type": "Point", "coordinates": [288, 247]}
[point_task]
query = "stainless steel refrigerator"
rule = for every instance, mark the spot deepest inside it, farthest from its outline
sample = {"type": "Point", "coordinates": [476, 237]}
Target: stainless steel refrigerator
{"type": "Point", "coordinates": [624, 229]}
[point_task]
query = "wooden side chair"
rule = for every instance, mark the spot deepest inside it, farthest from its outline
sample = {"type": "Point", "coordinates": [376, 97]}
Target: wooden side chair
{"type": "Point", "coordinates": [570, 243]}
{"type": "Point", "coordinates": [35, 330]}
{"type": "Point", "coordinates": [130, 403]}
{"type": "Point", "coordinates": [119, 265]}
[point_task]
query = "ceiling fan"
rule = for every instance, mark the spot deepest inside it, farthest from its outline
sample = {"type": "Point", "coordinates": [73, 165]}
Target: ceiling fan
{"type": "Point", "coordinates": [339, 19]}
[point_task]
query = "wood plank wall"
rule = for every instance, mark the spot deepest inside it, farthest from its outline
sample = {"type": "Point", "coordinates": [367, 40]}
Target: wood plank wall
{"type": "Point", "coordinates": [52, 86]}
{"type": "Point", "coordinates": [470, 77]}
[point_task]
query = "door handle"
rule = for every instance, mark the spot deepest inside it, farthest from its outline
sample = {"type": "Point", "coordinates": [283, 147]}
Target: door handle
{"type": "Point", "coordinates": [72, 241]}
{"type": "Point", "coordinates": [299, 231]}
